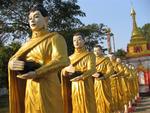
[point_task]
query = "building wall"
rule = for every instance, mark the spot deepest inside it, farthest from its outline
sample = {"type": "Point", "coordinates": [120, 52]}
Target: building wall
{"type": "Point", "coordinates": [142, 64]}
{"type": "Point", "coordinates": [145, 61]}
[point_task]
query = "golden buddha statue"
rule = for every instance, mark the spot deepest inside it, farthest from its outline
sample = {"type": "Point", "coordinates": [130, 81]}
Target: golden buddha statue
{"type": "Point", "coordinates": [136, 84]}
{"type": "Point", "coordinates": [132, 89]}
{"type": "Point", "coordinates": [124, 83]}
{"type": "Point", "coordinates": [82, 98]}
{"type": "Point", "coordinates": [38, 90]}
{"type": "Point", "coordinates": [116, 85]}
{"type": "Point", "coordinates": [102, 82]}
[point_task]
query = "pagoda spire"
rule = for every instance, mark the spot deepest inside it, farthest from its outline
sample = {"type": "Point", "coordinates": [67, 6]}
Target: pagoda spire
{"type": "Point", "coordinates": [135, 32]}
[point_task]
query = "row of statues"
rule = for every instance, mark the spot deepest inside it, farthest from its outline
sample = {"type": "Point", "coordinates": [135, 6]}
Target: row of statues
{"type": "Point", "coordinates": [43, 79]}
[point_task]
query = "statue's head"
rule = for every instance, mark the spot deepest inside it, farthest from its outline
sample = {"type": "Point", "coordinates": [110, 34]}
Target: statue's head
{"type": "Point", "coordinates": [112, 57]}
{"type": "Point", "coordinates": [130, 66]}
{"type": "Point", "coordinates": [118, 60]}
{"type": "Point", "coordinates": [38, 17]}
{"type": "Point", "coordinates": [78, 40]}
{"type": "Point", "coordinates": [98, 50]}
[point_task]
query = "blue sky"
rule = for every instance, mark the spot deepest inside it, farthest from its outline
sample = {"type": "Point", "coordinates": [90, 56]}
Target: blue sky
{"type": "Point", "coordinates": [116, 15]}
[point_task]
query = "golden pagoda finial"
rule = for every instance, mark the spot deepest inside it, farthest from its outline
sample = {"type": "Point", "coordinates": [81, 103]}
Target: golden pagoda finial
{"type": "Point", "coordinates": [135, 31]}
{"type": "Point", "coordinates": [132, 12]}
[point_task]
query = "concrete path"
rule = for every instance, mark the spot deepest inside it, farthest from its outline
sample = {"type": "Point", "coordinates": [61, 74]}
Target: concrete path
{"type": "Point", "coordinates": [144, 106]}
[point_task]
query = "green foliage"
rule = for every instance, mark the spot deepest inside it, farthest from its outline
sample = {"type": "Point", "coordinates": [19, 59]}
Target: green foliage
{"type": "Point", "coordinates": [145, 30]}
{"type": "Point", "coordinates": [63, 15]}
{"type": "Point", "coordinates": [5, 53]}
{"type": "Point", "coordinates": [63, 18]}
{"type": "Point", "coordinates": [120, 53]}
{"type": "Point", "coordinates": [93, 34]}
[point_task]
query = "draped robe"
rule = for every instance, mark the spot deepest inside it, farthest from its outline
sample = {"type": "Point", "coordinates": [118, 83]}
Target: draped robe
{"type": "Point", "coordinates": [116, 88]}
{"type": "Point", "coordinates": [42, 94]}
{"type": "Point", "coordinates": [82, 98]}
{"type": "Point", "coordinates": [102, 87]}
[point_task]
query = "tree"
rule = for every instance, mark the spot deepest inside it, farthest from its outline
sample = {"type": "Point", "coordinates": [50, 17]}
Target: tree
{"type": "Point", "coordinates": [5, 53]}
{"type": "Point", "coordinates": [93, 34]}
{"type": "Point", "coordinates": [14, 23]}
{"type": "Point", "coordinates": [14, 17]}
{"type": "Point", "coordinates": [145, 30]}
{"type": "Point", "coordinates": [63, 18]}
{"type": "Point", "coordinates": [120, 53]}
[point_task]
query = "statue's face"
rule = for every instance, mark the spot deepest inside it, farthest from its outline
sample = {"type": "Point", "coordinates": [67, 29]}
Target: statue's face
{"type": "Point", "coordinates": [112, 58]}
{"type": "Point", "coordinates": [133, 67]}
{"type": "Point", "coordinates": [118, 60]}
{"type": "Point", "coordinates": [78, 42]}
{"type": "Point", "coordinates": [36, 21]}
{"type": "Point", "coordinates": [97, 51]}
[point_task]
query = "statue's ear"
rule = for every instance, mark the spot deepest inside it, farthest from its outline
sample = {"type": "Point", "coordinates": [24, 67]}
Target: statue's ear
{"type": "Point", "coordinates": [46, 22]}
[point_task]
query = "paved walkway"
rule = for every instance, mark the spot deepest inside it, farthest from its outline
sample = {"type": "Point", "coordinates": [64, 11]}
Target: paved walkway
{"type": "Point", "coordinates": [144, 106]}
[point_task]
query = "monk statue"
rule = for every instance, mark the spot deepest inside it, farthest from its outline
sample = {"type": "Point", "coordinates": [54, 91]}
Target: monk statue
{"type": "Point", "coordinates": [102, 82]}
{"type": "Point", "coordinates": [124, 83]}
{"type": "Point", "coordinates": [34, 85]}
{"type": "Point", "coordinates": [81, 97]}
{"type": "Point", "coordinates": [116, 85]}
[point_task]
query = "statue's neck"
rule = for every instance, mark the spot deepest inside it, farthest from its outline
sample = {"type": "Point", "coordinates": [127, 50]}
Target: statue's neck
{"type": "Point", "coordinates": [39, 33]}
{"type": "Point", "coordinates": [80, 50]}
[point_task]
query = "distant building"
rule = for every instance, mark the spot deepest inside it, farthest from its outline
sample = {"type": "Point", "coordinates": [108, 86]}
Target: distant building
{"type": "Point", "coordinates": [138, 54]}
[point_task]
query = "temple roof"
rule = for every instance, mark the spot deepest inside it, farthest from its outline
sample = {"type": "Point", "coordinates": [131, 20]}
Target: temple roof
{"type": "Point", "coordinates": [138, 45]}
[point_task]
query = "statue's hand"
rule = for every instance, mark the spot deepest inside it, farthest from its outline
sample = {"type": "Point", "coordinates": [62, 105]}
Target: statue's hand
{"type": "Point", "coordinates": [29, 75]}
{"type": "Point", "coordinates": [102, 78]}
{"type": "Point", "coordinates": [96, 75]}
{"type": "Point", "coordinates": [65, 72]}
{"type": "Point", "coordinates": [16, 65]}
{"type": "Point", "coordinates": [77, 78]}
{"type": "Point", "coordinates": [115, 75]}
{"type": "Point", "coordinates": [68, 70]}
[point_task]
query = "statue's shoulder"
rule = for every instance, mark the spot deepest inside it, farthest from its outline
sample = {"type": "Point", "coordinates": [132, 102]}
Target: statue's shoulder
{"type": "Point", "coordinates": [107, 58]}
{"type": "Point", "coordinates": [92, 54]}
{"type": "Point", "coordinates": [55, 36]}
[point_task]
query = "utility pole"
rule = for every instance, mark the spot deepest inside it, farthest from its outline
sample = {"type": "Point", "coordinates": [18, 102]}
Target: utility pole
{"type": "Point", "coordinates": [108, 31]}
{"type": "Point", "coordinates": [114, 44]}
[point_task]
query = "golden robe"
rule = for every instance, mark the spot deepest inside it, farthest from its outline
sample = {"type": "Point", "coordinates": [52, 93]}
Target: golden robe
{"type": "Point", "coordinates": [42, 94]}
{"type": "Point", "coordinates": [124, 82]}
{"type": "Point", "coordinates": [127, 76]}
{"type": "Point", "coordinates": [116, 88]}
{"type": "Point", "coordinates": [136, 81]}
{"type": "Point", "coordinates": [131, 84]}
{"type": "Point", "coordinates": [82, 91]}
{"type": "Point", "coordinates": [102, 87]}
{"type": "Point", "coordinates": [134, 84]}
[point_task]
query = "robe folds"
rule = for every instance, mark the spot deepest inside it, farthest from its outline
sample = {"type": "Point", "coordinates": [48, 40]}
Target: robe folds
{"type": "Point", "coordinates": [43, 93]}
{"type": "Point", "coordinates": [102, 86]}
{"type": "Point", "coordinates": [81, 98]}
{"type": "Point", "coordinates": [116, 88]}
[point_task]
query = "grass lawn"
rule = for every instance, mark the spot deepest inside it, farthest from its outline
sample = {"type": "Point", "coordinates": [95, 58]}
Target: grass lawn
{"type": "Point", "coordinates": [4, 104]}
